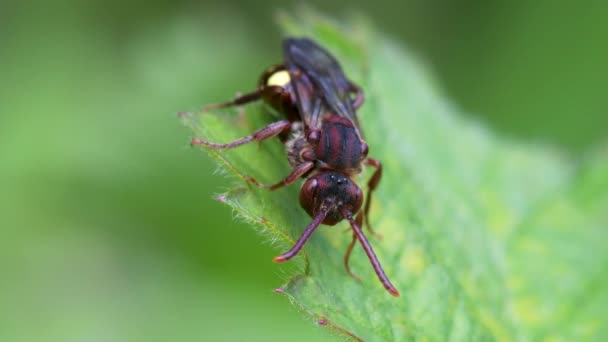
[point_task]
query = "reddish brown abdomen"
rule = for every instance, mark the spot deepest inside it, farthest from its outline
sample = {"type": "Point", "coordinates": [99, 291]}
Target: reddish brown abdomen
{"type": "Point", "coordinates": [339, 145]}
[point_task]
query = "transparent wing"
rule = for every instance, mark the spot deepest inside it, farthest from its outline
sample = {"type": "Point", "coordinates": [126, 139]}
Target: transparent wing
{"type": "Point", "coordinates": [317, 77]}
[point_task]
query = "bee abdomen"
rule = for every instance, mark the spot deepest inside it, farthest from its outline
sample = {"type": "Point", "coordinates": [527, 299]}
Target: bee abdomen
{"type": "Point", "coordinates": [339, 145]}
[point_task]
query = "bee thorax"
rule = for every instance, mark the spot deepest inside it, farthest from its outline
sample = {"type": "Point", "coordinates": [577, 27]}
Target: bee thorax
{"type": "Point", "coordinates": [298, 149]}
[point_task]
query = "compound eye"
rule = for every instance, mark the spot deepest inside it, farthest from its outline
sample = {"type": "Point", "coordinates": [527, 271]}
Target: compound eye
{"type": "Point", "coordinates": [358, 200]}
{"type": "Point", "coordinates": [308, 195]}
{"type": "Point", "coordinates": [311, 185]}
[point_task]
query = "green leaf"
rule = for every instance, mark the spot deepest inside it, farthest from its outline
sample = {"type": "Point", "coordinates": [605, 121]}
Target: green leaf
{"type": "Point", "coordinates": [485, 238]}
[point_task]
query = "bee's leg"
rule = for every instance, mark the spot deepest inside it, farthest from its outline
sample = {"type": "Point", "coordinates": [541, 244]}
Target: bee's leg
{"type": "Point", "coordinates": [359, 95]}
{"type": "Point", "coordinates": [239, 100]}
{"type": "Point", "coordinates": [295, 174]}
{"type": "Point", "coordinates": [264, 90]}
{"type": "Point", "coordinates": [264, 133]}
{"type": "Point", "coordinates": [372, 184]}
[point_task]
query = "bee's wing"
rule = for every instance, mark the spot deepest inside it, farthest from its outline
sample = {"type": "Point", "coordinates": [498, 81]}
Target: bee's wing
{"type": "Point", "coordinates": [318, 81]}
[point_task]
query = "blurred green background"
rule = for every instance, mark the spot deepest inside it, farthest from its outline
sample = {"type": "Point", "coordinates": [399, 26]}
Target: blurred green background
{"type": "Point", "coordinates": [109, 229]}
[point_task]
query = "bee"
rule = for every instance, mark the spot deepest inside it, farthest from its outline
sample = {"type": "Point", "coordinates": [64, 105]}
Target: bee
{"type": "Point", "coordinates": [323, 142]}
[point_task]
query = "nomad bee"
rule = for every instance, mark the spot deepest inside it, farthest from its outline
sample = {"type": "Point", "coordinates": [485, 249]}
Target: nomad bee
{"type": "Point", "coordinates": [323, 142]}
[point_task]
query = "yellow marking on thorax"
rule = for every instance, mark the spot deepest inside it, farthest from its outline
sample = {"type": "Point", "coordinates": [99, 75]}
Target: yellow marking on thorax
{"type": "Point", "coordinates": [279, 78]}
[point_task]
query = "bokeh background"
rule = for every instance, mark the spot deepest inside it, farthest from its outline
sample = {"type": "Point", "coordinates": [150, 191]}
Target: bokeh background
{"type": "Point", "coordinates": [109, 231]}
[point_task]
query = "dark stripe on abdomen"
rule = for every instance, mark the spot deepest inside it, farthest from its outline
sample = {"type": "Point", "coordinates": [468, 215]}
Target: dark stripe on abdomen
{"type": "Point", "coordinates": [341, 148]}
